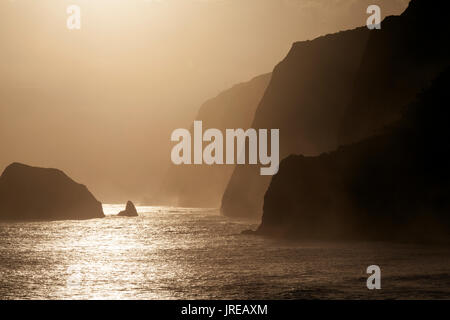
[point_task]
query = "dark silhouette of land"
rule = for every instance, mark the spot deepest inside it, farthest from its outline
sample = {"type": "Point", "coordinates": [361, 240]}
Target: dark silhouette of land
{"type": "Point", "coordinates": [306, 99]}
{"type": "Point", "coordinates": [395, 186]}
{"type": "Point", "coordinates": [130, 211]}
{"type": "Point", "coordinates": [342, 88]}
{"type": "Point", "coordinates": [31, 193]}
{"type": "Point", "coordinates": [203, 185]}
{"type": "Point", "coordinates": [400, 60]}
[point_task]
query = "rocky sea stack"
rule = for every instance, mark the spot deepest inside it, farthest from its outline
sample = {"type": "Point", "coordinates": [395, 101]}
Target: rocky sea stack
{"type": "Point", "coordinates": [130, 211]}
{"type": "Point", "coordinates": [31, 193]}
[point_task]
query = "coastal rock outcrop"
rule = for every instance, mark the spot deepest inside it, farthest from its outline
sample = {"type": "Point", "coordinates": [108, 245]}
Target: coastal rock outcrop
{"type": "Point", "coordinates": [130, 211]}
{"type": "Point", "coordinates": [400, 60]}
{"type": "Point", "coordinates": [393, 187]}
{"type": "Point", "coordinates": [342, 88]}
{"type": "Point", "coordinates": [305, 99]}
{"type": "Point", "coordinates": [32, 193]}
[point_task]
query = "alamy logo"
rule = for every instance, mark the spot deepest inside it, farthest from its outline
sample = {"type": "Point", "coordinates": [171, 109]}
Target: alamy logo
{"type": "Point", "coordinates": [74, 276]}
{"type": "Point", "coordinates": [374, 281]}
{"type": "Point", "coordinates": [236, 139]}
{"type": "Point", "coordinates": [74, 18]}
{"type": "Point", "coordinates": [374, 21]}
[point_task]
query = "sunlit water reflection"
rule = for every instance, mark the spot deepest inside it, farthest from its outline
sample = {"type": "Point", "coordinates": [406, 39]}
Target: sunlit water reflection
{"type": "Point", "coordinates": [176, 253]}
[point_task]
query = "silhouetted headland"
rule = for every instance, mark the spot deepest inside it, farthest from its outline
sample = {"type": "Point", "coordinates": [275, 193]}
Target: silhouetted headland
{"type": "Point", "coordinates": [305, 99]}
{"type": "Point", "coordinates": [342, 88]}
{"type": "Point", "coordinates": [394, 187]}
{"type": "Point", "coordinates": [32, 193]}
{"type": "Point", "coordinates": [130, 211]}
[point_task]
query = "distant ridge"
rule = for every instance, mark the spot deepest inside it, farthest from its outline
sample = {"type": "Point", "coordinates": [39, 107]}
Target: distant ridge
{"type": "Point", "coordinates": [203, 185]}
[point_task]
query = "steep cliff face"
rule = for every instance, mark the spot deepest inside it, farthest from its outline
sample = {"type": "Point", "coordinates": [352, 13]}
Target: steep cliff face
{"type": "Point", "coordinates": [342, 88]}
{"type": "Point", "coordinates": [31, 193]}
{"type": "Point", "coordinates": [401, 59]}
{"type": "Point", "coordinates": [395, 186]}
{"type": "Point", "coordinates": [203, 185]}
{"type": "Point", "coordinates": [305, 99]}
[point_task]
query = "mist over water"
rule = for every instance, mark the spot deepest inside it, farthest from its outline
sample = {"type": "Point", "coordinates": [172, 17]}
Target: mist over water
{"type": "Point", "coordinates": [179, 253]}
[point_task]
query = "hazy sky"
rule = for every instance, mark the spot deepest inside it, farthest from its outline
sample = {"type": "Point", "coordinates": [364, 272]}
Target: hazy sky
{"type": "Point", "coordinates": [100, 102]}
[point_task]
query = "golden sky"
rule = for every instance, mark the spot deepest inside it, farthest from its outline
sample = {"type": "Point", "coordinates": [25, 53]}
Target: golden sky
{"type": "Point", "coordinates": [100, 102]}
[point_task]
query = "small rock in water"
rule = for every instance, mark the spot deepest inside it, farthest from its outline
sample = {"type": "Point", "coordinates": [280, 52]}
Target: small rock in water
{"type": "Point", "coordinates": [130, 211]}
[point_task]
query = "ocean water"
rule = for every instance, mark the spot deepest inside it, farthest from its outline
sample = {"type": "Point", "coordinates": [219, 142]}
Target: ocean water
{"type": "Point", "coordinates": [179, 253]}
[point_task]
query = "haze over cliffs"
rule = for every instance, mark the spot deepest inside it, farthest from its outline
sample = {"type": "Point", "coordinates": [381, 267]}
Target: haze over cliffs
{"type": "Point", "coordinates": [395, 186]}
{"type": "Point", "coordinates": [305, 99]}
{"type": "Point", "coordinates": [342, 88]}
{"type": "Point", "coordinates": [204, 185]}
{"type": "Point", "coordinates": [31, 193]}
